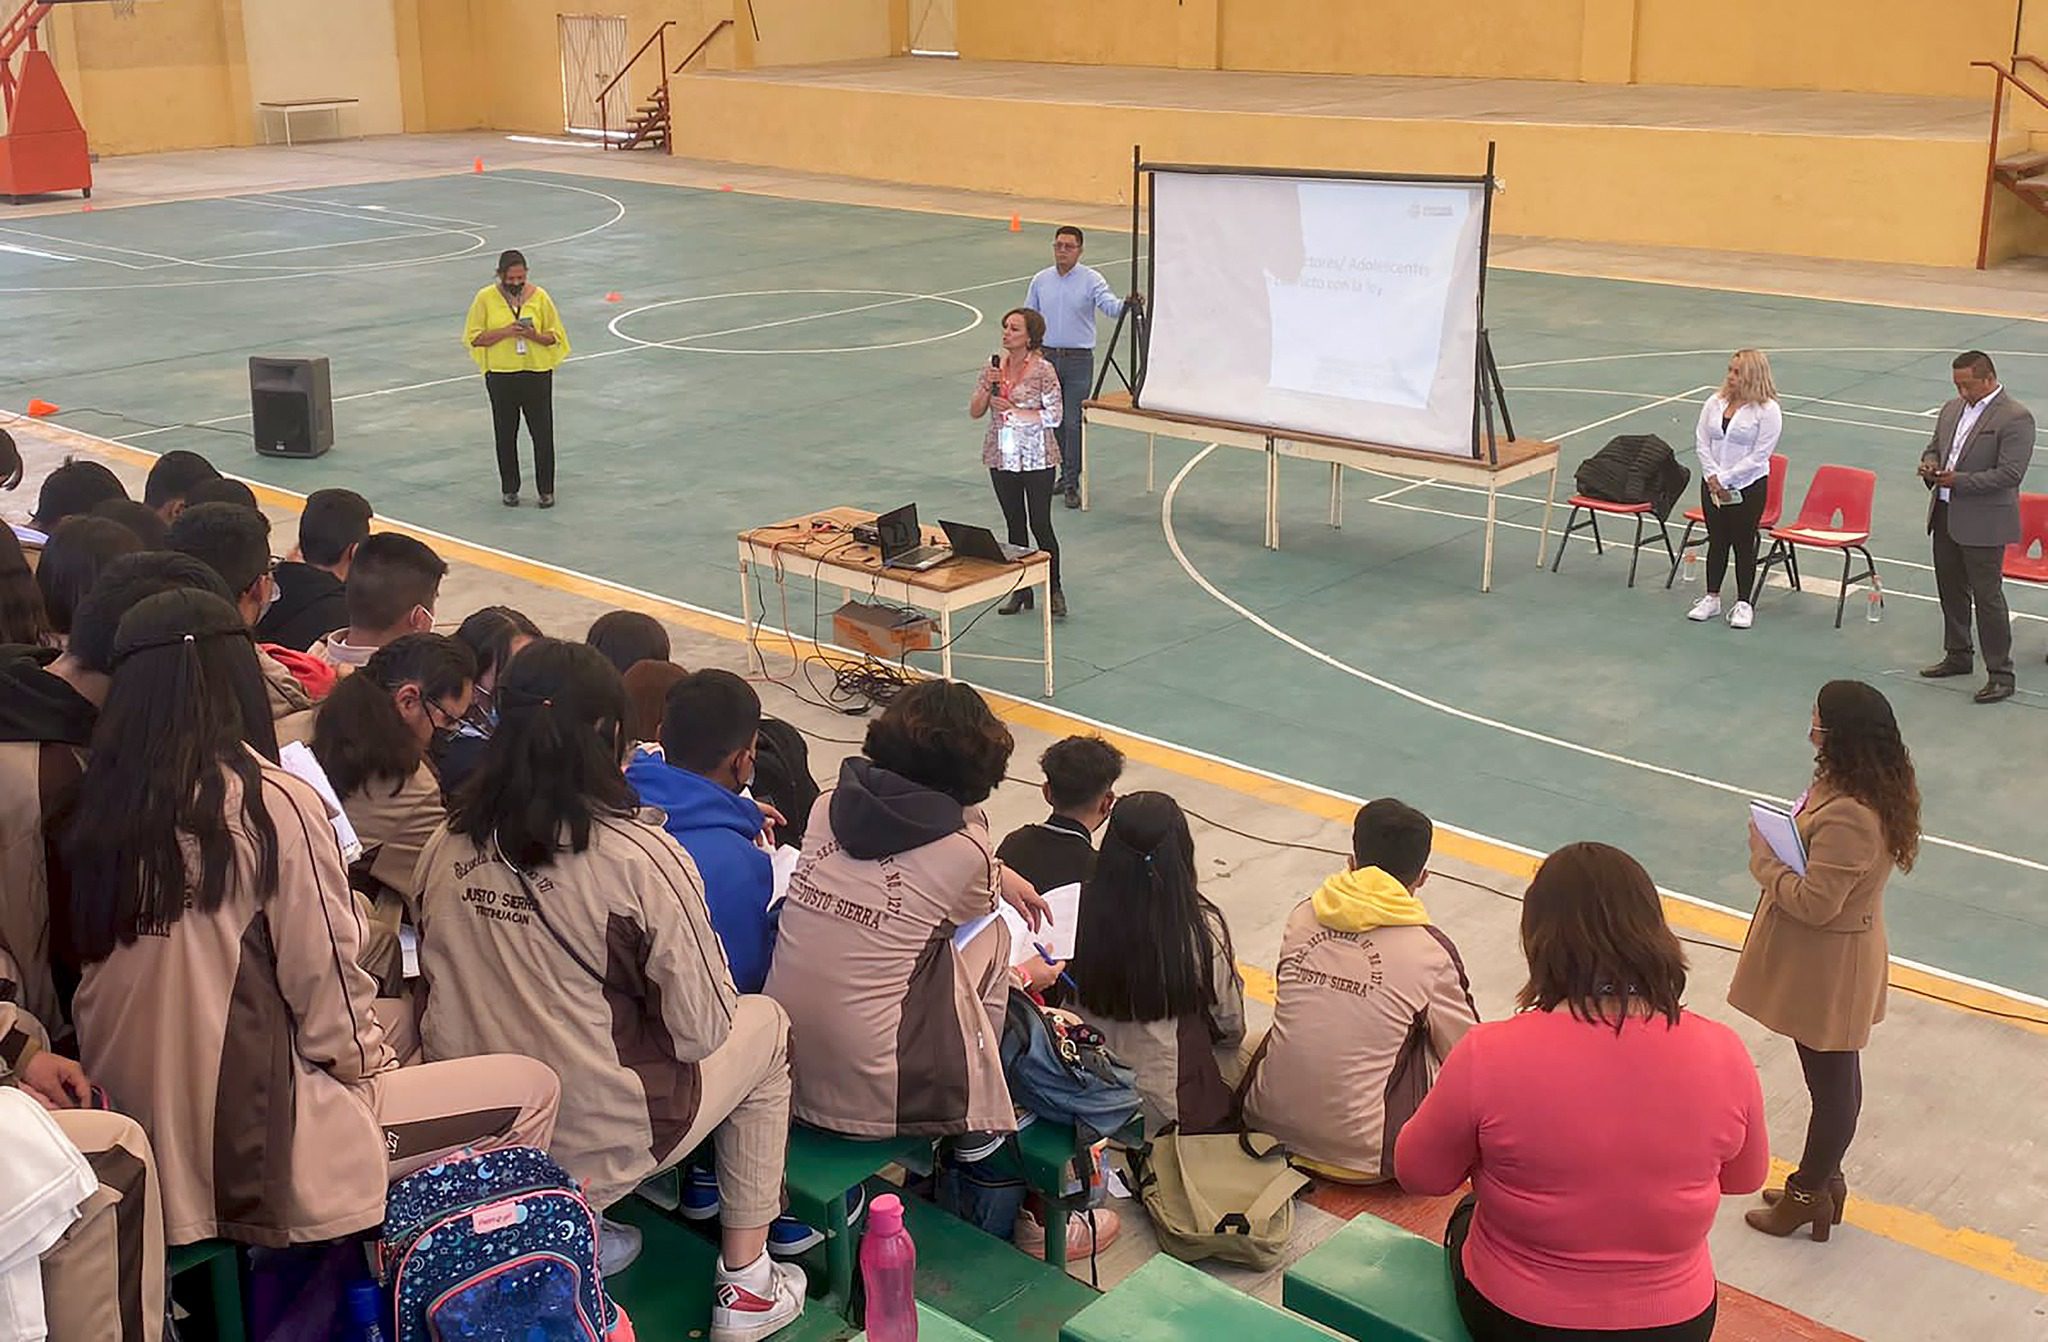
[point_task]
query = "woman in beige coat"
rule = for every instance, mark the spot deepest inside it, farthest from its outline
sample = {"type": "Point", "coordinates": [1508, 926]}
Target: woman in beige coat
{"type": "Point", "coordinates": [1815, 966]}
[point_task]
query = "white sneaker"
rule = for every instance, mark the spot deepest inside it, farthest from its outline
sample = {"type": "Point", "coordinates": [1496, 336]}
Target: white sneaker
{"type": "Point", "coordinates": [1706, 608]}
{"type": "Point", "coordinates": [1742, 617]}
{"type": "Point", "coordinates": [751, 1303]}
{"type": "Point", "coordinates": [617, 1246]}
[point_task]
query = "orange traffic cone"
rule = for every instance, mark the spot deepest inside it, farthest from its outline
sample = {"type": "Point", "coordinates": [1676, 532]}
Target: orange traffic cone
{"type": "Point", "coordinates": [1016, 223]}
{"type": "Point", "coordinates": [615, 297]}
{"type": "Point", "coordinates": [725, 186]}
{"type": "Point", "coordinates": [41, 409]}
{"type": "Point", "coordinates": [479, 165]}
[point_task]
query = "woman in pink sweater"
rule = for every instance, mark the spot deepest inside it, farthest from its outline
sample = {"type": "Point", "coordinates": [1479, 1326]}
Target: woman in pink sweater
{"type": "Point", "coordinates": [1600, 1126]}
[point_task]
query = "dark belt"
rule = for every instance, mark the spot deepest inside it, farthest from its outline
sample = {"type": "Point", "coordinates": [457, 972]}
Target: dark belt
{"type": "Point", "coordinates": [1069, 349]}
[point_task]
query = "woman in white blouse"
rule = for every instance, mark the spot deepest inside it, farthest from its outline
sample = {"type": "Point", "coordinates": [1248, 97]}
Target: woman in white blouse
{"type": "Point", "coordinates": [1738, 432]}
{"type": "Point", "coordinates": [1021, 448]}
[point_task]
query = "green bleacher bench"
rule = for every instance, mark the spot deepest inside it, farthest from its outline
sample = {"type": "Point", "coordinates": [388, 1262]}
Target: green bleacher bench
{"type": "Point", "coordinates": [1168, 1301]}
{"type": "Point", "coordinates": [1046, 1153]}
{"type": "Point", "coordinates": [222, 1260]}
{"type": "Point", "coordinates": [933, 1326]}
{"type": "Point", "coordinates": [820, 1170]}
{"type": "Point", "coordinates": [1374, 1281]}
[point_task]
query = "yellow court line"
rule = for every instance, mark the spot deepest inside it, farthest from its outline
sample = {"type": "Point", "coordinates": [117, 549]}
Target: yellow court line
{"type": "Point", "coordinates": [1972, 1249]}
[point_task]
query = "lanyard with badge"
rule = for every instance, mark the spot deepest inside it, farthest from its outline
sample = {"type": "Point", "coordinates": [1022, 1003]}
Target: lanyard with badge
{"type": "Point", "coordinates": [519, 345]}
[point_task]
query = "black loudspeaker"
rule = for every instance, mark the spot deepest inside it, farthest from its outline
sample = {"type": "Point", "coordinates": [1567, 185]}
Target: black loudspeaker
{"type": "Point", "coordinates": [292, 402]}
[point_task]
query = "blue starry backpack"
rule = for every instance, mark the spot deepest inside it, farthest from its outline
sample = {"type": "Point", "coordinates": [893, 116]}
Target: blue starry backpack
{"type": "Point", "coordinates": [495, 1246]}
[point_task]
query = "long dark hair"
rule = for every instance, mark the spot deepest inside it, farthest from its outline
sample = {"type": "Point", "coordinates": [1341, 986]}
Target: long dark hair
{"type": "Point", "coordinates": [186, 703]}
{"type": "Point", "coordinates": [1147, 941]}
{"type": "Point", "coordinates": [489, 633]}
{"type": "Point", "coordinates": [553, 762]}
{"type": "Point", "coordinates": [71, 563]}
{"type": "Point", "coordinates": [22, 617]}
{"type": "Point", "coordinates": [1863, 755]}
{"type": "Point", "coordinates": [359, 735]}
{"type": "Point", "coordinates": [1594, 934]}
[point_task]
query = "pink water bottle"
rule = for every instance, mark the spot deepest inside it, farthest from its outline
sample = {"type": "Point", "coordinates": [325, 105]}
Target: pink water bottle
{"type": "Point", "coordinates": [888, 1268]}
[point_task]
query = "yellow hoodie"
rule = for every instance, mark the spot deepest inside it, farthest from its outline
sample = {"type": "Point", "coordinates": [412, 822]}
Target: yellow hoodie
{"type": "Point", "coordinates": [1361, 900]}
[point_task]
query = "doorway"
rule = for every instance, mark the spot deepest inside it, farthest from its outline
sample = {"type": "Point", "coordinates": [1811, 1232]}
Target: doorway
{"type": "Point", "coordinates": [934, 30]}
{"type": "Point", "coordinates": [593, 50]}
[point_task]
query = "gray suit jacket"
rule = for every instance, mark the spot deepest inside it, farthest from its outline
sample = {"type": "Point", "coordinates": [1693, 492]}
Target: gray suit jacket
{"type": "Point", "coordinates": [1984, 502]}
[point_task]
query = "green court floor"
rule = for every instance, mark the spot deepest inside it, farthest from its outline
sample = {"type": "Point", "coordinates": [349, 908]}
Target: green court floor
{"type": "Point", "coordinates": [769, 356]}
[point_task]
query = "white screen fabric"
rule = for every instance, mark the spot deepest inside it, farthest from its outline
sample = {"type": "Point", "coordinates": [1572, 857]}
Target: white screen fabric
{"type": "Point", "coordinates": [1341, 308]}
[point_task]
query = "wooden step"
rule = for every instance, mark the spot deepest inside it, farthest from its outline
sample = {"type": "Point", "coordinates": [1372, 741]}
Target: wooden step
{"type": "Point", "coordinates": [2032, 186]}
{"type": "Point", "coordinates": [2023, 165]}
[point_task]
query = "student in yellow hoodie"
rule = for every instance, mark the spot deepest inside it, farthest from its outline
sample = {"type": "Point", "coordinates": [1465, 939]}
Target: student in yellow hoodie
{"type": "Point", "coordinates": [1371, 998]}
{"type": "Point", "coordinates": [516, 337]}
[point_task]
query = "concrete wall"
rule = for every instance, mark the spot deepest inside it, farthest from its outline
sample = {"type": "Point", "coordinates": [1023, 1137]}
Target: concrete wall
{"type": "Point", "coordinates": [174, 76]}
{"type": "Point", "coordinates": [327, 49]}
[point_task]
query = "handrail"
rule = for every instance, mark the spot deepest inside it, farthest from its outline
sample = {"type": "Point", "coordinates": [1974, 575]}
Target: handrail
{"type": "Point", "coordinates": [634, 59]}
{"type": "Point", "coordinates": [2012, 77]}
{"type": "Point", "coordinates": [695, 51]}
{"type": "Point", "coordinates": [1991, 183]}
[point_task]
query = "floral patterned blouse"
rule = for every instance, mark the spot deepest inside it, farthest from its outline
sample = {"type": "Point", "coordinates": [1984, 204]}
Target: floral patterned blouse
{"type": "Point", "coordinates": [1034, 414]}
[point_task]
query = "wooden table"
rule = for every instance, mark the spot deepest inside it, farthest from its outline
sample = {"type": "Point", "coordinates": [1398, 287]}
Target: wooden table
{"type": "Point", "coordinates": [820, 546]}
{"type": "Point", "coordinates": [1518, 459]}
{"type": "Point", "coordinates": [291, 107]}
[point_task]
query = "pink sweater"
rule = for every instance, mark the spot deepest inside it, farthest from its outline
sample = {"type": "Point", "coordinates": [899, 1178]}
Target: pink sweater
{"type": "Point", "coordinates": [1598, 1160]}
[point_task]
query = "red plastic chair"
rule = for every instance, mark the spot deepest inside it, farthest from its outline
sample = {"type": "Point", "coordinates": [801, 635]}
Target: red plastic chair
{"type": "Point", "coordinates": [2026, 560]}
{"type": "Point", "coordinates": [1585, 514]}
{"type": "Point", "coordinates": [1835, 515]}
{"type": "Point", "coordinates": [1774, 508]}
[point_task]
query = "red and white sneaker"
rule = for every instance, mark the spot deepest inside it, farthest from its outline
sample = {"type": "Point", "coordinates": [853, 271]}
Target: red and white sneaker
{"type": "Point", "coordinates": [742, 1313]}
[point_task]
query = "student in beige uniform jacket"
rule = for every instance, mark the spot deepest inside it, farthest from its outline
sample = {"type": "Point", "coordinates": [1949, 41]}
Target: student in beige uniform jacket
{"type": "Point", "coordinates": [234, 541]}
{"type": "Point", "coordinates": [1371, 998]}
{"type": "Point", "coordinates": [373, 737]}
{"type": "Point", "coordinates": [557, 920]}
{"type": "Point", "coordinates": [1155, 968]}
{"type": "Point", "coordinates": [898, 1028]}
{"type": "Point", "coordinates": [222, 1003]}
{"type": "Point", "coordinates": [104, 1280]}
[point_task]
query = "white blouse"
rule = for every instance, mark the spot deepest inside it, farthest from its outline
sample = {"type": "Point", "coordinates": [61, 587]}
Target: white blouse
{"type": "Point", "coordinates": [1739, 455]}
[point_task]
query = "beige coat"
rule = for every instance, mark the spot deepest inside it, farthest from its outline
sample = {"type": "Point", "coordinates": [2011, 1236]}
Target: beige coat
{"type": "Point", "coordinates": [291, 708]}
{"type": "Point", "coordinates": [1815, 965]}
{"type": "Point", "coordinates": [245, 1041]}
{"type": "Point", "coordinates": [1185, 1067]}
{"type": "Point", "coordinates": [892, 1029]}
{"type": "Point", "coordinates": [394, 824]}
{"type": "Point", "coordinates": [29, 771]}
{"type": "Point", "coordinates": [630, 907]}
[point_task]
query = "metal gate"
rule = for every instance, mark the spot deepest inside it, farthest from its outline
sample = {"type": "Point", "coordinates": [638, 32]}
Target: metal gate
{"type": "Point", "coordinates": [933, 28]}
{"type": "Point", "coordinates": [593, 50]}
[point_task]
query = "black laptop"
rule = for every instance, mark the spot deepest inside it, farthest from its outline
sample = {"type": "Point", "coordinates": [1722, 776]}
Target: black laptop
{"type": "Point", "coordinates": [973, 542]}
{"type": "Point", "coordinates": [903, 541]}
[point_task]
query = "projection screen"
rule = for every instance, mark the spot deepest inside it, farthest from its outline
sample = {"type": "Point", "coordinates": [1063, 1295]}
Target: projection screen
{"type": "Point", "coordinates": [1340, 307]}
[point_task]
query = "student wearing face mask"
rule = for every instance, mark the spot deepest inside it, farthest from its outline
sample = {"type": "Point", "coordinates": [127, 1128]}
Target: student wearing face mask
{"type": "Point", "coordinates": [516, 337]}
{"type": "Point", "coordinates": [374, 737]}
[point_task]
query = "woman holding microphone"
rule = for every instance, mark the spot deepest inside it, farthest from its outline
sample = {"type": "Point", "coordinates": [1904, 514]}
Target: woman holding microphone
{"type": "Point", "coordinates": [516, 337]}
{"type": "Point", "coordinates": [1020, 448]}
{"type": "Point", "coordinates": [1738, 431]}
{"type": "Point", "coordinates": [1814, 966]}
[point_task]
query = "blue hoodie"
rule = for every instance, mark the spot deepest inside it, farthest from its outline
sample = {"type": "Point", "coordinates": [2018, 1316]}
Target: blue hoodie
{"type": "Point", "coordinates": [717, 828]}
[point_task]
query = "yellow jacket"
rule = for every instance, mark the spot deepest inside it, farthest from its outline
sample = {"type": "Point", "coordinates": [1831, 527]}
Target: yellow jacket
{"type": "Point", "coordinates": [490, 310]}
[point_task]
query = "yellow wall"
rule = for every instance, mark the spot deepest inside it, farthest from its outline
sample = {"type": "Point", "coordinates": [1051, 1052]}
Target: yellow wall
{"type": "Point", "coordinates": [801, 32]}
{"type": "Point", "coordinates": [1525, 39]}
{"type": "Point", "coordinates": [172, 77]}
{"type": "Point", "coordinates": [325, 49]}
{"type": "Point", "coordinates": [1880, 46]}
{"type": "Point", "coordinates": [1075, 32]}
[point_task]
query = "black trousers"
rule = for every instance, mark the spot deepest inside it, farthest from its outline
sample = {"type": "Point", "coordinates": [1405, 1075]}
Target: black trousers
{"type": "Point", "coordinates": [1835, 1081]}
{"type": "Point", "coordinates": [1733, 530]}
{"type": "Point", "coordinates": [1967, 577]}
{"type": "Point", "coordinates": [1026, 497]}
{"type": "Point", "coordinates": [531, 395]}
{"type": "Point", "coordinates": [1487, 1322]}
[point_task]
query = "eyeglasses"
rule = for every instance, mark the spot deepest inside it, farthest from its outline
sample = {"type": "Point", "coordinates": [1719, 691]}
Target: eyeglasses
{"type": "Point", "coordinates": [438, 717]}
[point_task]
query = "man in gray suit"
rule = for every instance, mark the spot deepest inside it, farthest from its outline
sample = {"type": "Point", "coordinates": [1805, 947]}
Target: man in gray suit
{"type": "Point", "coordinates": [1983, 441]}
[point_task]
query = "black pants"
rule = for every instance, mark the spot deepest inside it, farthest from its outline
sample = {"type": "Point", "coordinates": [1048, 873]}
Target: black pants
{"type": "Point", "coordinates": [1969, 576]}
{"type": "Point", "coordinates": [532, 395]}
{"type": "Point", "coordinates": [1835, 1081]}
{"type": "Point", "coordinates": [1733, 528]}
{"type": "Point", "coordinates": [1487, 1322]}
{"type": "Point", "coordinates": [1026, 497]}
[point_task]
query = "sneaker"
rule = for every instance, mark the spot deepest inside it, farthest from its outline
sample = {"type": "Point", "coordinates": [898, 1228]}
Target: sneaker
{"type": "Point", "coordinates": [1706, 608]}
{"type": "Point", "coordinates": [1742, 617]}
{"type": "Point", "coordinates": [791, 1238]}
{"type": "Point", "coordinates": [700, 1195]}
{"type": "Point", "coordinates": [971, 1148]}
{"type": "Point", "coordinates": [1088, 1233]}
{"type": "Point", "coordinates": [750, 1304]}
{"type": "Point", "coordinates": [617, 1246]}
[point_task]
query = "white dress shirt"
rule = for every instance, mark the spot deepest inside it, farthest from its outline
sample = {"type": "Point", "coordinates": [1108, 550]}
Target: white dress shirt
{"type": "Point", "coordinates": [1965, 426]}
{"type": "Point", "coordinates": [1738, 455]}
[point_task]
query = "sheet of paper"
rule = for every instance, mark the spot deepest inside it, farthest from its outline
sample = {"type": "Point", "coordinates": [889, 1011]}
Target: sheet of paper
{"type": "Point", "coordinates": [409, 950]}
{"type": "Point", "coordinates": [1776, 825]}
{"type": "Point", "coordinates": [783, 860]}
{"type": "Point", "coordinates": [298, 760]}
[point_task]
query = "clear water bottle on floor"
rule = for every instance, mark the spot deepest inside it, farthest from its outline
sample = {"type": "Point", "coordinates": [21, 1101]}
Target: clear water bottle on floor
{"type": "Point", "coordinates": [1874, 602]}
{"type": "Point", "coordinates": [1689, 567]}
{"type": "Point", "coordinates": [888, 1268]}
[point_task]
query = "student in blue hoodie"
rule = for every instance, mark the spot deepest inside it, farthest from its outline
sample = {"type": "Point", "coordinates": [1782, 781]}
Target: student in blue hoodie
{"type": "Point", "coordinates": [709, 725]}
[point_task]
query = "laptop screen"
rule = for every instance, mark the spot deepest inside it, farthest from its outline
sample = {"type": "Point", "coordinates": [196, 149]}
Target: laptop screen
{"type": "Point", "coordinates": [899, 531]}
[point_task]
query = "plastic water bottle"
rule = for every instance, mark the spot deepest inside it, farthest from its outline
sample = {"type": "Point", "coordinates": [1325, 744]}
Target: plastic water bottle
{"type": "Point", "coordinates": [365, 1313]}
{"type": "Point", "coordinates": [1874, 602]}
{"type": "Point", "coordinates": [1689, 567]}
{"type": "Point", "coordinates": [888, 1269]}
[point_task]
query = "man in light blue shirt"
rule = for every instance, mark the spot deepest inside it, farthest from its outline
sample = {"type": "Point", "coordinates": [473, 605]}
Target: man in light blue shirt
{"type": "Point", "coordinates": [1068, 295]}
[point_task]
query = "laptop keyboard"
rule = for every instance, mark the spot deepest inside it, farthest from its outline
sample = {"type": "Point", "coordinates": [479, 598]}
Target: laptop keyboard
{"type": "Point", "coordinates": [922, 555]}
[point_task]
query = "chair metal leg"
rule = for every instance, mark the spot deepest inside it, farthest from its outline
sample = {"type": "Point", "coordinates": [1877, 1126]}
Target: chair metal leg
{"type": "Point", "coordinates": [1842, 597]}
{"type": "Point", "coordinates": [1571, 524]}
{"type": "Point", "coordinates": [1635, 551]}
{"type": "Point", "coordinates": [1685, 543]}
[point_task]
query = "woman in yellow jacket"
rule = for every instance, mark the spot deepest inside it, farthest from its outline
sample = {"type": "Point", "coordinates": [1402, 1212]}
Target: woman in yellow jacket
{"type": "Point", "coordinates": [516, 337]}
